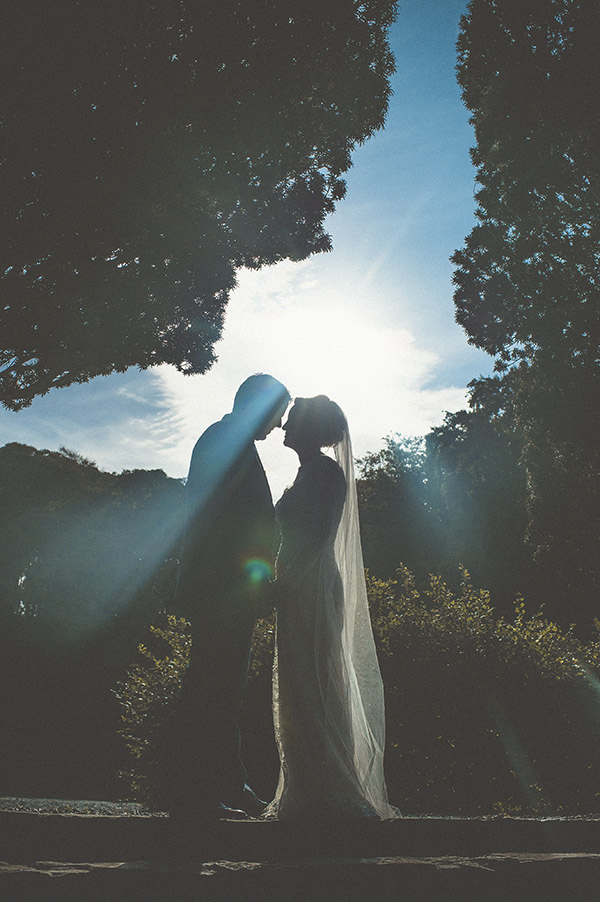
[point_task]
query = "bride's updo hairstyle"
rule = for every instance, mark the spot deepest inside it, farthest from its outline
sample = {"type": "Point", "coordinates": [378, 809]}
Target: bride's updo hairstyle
{"type": "Point", "coordinates": [321, 420]}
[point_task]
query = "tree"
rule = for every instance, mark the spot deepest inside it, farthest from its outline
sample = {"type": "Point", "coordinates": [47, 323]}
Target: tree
{"type": "Point", "coordinates": [476, 489]}
{"type": "Point", "coordinates": [85, 556]}
{"type": "Point", "coordinates": [456, 497]}
{"type": "Point", "coordinates": [151, 150]}
{"type": "Point", "coordinates": [551, 423]}
{"type": "Point", "coordinates": [527, 279]}
{"type": "Point", "coordinates": [528, 283]}
{"type": "Point", "coordinates": [395, 525]}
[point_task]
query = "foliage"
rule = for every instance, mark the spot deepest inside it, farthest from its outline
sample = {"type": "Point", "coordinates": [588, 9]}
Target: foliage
{"type": "Point", "coordinates": [146, 695]}
{"type": "Point", "coordinates": [394, 520]}
{"type": "Point", "coordinates": [553, 422]}
{"type": "Point", "coordinates": [484, 715]}
{"type": "Point", "coordinates": [527, 278]}
{"type": "Point", "coordinates": [85, 556]}
{"type": "Point", "coordinates": [151, 151]}
{"type": "Point", "coordinates": [86, 560]}
{"type": "Point", "coordinates": [457, 495]}
{"type": "Point", "coordinates": [476, 489]}
{"type": "Point", "coordinates": [527, 288]}
{"type": "Point", "coordinates": [558, 420]}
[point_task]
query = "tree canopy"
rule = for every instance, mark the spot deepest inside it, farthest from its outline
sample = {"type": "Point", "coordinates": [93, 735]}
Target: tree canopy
{"type": "Point", "coordinates": [528, 277]}
{"type": "Point", "coordinates": [151, 150]}
{"type": "Point", "coordinates": [528, 283]}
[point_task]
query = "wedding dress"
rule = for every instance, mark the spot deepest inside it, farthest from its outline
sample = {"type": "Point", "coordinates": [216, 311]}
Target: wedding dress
{"type": "Point", "coordinates": [327, 689]}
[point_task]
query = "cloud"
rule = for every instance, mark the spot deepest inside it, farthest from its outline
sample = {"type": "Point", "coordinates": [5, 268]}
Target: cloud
{"type": "Point", "coordinates": [318, 335]}
{"type": "Point", "coordinates": [120, 421]}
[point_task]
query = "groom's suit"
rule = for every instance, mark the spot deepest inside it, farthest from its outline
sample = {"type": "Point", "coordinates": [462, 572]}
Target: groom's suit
{"type": "Point", "coordinates": [228, 540]}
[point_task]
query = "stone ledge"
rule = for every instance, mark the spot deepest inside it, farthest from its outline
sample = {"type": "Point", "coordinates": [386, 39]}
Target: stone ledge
{"type": "Point", "coordinates": [500, 876]}
{"type": "Point", "coordinates": [30, 836]}
{"type": "Point", "coordinates": [113, 851]}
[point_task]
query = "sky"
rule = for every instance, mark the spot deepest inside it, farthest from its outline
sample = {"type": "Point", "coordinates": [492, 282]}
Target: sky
{"type": "Point", "coordinates": [371, 323]}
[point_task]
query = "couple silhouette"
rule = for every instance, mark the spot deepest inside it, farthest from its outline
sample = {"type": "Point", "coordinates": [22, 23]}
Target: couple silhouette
{"type": "Point", "coordinates": [241, 556]}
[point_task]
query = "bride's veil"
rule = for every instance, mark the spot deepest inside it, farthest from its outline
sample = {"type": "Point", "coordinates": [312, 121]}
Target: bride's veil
{"type": "Point", "coordinates": [365, 689]}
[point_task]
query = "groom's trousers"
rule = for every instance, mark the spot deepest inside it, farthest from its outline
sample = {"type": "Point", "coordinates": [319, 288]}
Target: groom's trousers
{"type": "Point", "coordinates": [206, 765]}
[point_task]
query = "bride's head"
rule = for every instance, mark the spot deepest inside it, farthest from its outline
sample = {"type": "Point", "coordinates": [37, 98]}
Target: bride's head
{"type": "Point", "coordinates": [314, 423]}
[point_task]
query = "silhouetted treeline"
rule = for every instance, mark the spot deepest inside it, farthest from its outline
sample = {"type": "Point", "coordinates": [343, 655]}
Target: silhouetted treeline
{"type": "Point", "coordinates": [465, 494]}
{"type": "Point", "coordinates": [86, 561]}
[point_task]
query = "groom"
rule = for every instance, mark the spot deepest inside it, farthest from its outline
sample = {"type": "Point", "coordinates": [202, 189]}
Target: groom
{"type": "Point", "coordinates": [226, 562]}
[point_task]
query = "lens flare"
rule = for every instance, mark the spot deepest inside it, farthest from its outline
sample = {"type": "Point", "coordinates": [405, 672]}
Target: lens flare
{"type": "Point", "coordinates": [257, 571]}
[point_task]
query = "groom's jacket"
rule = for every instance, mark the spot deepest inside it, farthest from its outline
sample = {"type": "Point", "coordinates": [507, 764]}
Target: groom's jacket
{"type": "Point", "coordinates": [229, 526]}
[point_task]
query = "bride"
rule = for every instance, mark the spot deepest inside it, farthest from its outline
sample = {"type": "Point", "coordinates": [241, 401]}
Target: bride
{"type": "Point", "coordinates": [327, 689]}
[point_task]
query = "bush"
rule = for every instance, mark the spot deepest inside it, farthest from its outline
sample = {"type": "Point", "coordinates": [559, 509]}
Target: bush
{"type": "Point", "coordinates": [484, 715]}
{"type": "Point", "coordinates": [146, 698]}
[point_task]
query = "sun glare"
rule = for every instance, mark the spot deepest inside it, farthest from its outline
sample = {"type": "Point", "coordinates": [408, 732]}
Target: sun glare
{"type": "Point", "coordinates": [318, 336]}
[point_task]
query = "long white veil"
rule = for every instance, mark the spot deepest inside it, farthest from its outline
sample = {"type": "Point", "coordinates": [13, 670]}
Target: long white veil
{"type": "Point", "coordinates": [365, 689]}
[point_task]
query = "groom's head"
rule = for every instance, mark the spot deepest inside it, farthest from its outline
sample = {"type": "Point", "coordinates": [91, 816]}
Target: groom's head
{"type": "Point", "coordinates": [261, 402]}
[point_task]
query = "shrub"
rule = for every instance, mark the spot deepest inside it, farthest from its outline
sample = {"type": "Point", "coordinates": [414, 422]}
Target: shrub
{"type": "Point", "coordinates": [146, 698]}
{"type": "Point", "coordinates": [484, 715]}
